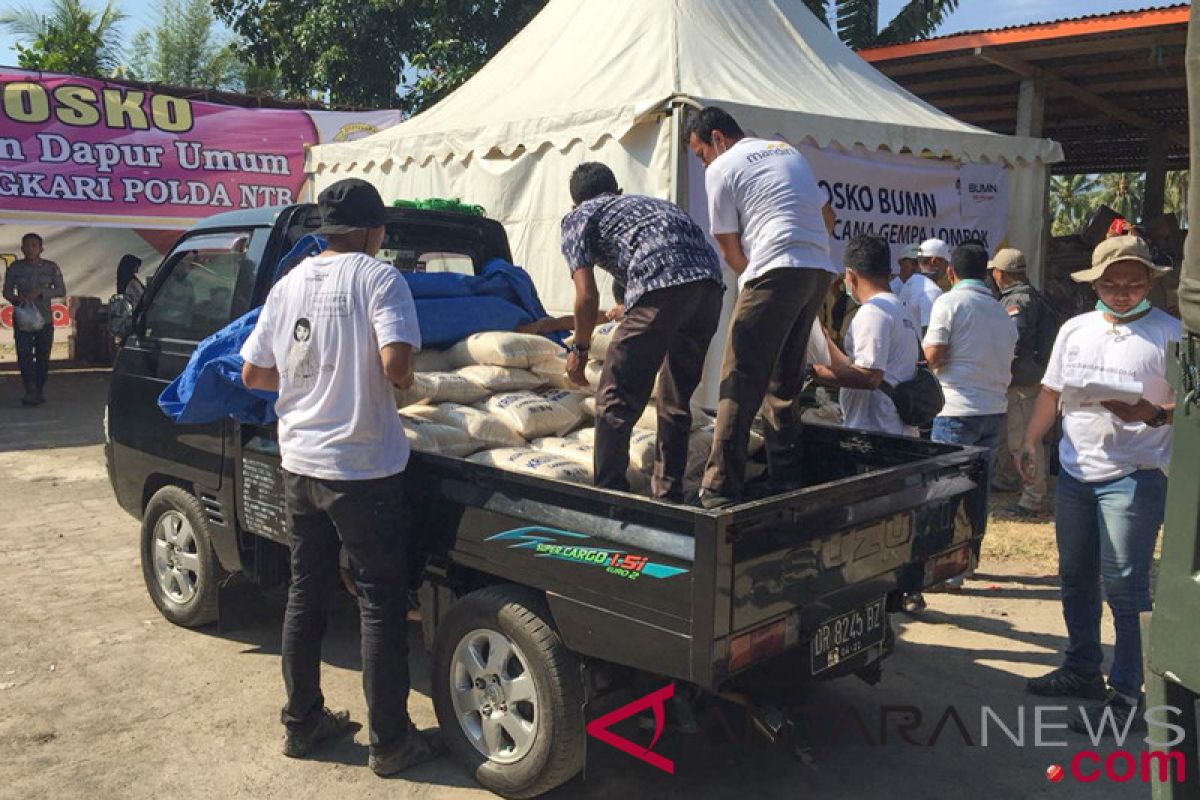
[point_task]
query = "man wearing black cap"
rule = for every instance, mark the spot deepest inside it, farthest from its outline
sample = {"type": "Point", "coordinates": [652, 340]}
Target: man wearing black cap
{"type": "Point", "coordinates": [969, 345]}
{"type": "Point", "coordinates": [336, 333]}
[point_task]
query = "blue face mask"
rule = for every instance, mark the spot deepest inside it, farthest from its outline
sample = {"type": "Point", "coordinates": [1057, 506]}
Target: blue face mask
{"type": "Point", "coordinates": [1140, 308]}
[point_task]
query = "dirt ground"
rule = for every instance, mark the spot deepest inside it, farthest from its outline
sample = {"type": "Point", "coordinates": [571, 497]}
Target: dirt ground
{"type": "Point", "coordinates": [102, 698]}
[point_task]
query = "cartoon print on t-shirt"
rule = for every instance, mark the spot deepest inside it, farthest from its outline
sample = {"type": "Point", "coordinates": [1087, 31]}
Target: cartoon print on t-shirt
{"type": "Point", "coordinates": [302, 365]}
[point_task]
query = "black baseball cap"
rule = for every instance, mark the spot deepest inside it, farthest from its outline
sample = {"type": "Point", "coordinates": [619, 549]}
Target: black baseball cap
{"type": "Point", "coordinates": [349, 205]}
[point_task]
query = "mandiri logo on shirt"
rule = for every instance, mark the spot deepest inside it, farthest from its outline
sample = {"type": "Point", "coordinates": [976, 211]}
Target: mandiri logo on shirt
{"type": "Point", "coordinates": [773, 149]}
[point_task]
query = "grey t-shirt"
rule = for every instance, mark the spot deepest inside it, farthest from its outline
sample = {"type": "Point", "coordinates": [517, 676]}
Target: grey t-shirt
{"type": "Point", "coordinates": [23, 277]}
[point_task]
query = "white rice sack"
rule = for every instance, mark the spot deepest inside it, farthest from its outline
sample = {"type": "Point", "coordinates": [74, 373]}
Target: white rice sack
{"type": "Point", "coordinates": [592, 373]}
{"type": "Point", "coordinates": [649, 418]}
{"type": "Point", "coordinates": [535, 462]}
{"type": "Point", "coordinates": [574, 449]}
{"type": "Point", "coordinates": [755, 470]}
{"type": "Point", "coordinates": [757, 441]}
{"type": "Point", "coordinates": [587, 435]}
{"type": "Point", "coordinates": [434, 437]}
{"type": "Point", "coordinates": [500, 379]}
{"type": "Point", "coordinates": [529, 414]}
{"type": "Point", "coordinates": [554, 372]}
{"type": "Point", "coordinates": [570, 399]}
{"type": "Point", "coordinates": [503, 349]}
{"type": "Point", "coordinates": [432, 361]}
{"type": "Point", "coordinates": [827, 411]}
{"type": "Point", "coordinates": [699, 447]}
{"type": "Point", "coordinates": [589, 406]}
{"type": "Point", "coordinates": [642, 445]}
{"type": "Point", "coordinates": [479, 425]}
{"type": "Point", "coordinates": [601, 338]}
{"type": "Point", "coordinates": [420, 411]}
{"type": "Point", "coordinates": [440, 387]}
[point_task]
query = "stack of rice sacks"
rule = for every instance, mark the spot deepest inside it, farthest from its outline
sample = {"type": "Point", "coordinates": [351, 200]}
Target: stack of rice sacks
{"type": "Point", "coordinates": [504, 399]}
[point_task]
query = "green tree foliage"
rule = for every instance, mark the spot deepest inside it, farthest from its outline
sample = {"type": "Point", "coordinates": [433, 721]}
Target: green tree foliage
{"type": "Point", "coordinates": [858, 20]}
{"type": "Point", "coordinates": [1072, 201]}
{"type": "Point", "coordinates": [185, 49]}
{"type": "Point", "coordinates": [66, 36]}
{"type": "Point", "coordinates": [380, 53]}
{"type": "Point", "coordinates": [1177, 194]}
{"type": "Point", "coordinates": [1123, 192]}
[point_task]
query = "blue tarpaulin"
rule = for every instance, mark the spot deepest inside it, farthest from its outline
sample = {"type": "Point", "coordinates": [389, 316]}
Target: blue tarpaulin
{"type": "Point", "coordinates": [450, 307]}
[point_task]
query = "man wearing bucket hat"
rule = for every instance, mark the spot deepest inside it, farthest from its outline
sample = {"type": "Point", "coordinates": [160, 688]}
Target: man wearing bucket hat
{"type": "Point", "coordinates": [1036, 325]}
{"type": "Point", "coordinates": [1111, 493]}
{"type": "Point", "coordinates": [336, 333]}
{"type": "Point", "coordinates": [923, 287]}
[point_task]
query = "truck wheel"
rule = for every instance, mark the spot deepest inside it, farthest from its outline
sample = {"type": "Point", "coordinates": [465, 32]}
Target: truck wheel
{"type": "Point", "coordinates": [507, 692]}
{"type": "Point", "coordinates": [178, 563]}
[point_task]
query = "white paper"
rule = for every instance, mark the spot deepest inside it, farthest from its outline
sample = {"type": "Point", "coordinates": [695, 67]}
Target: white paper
{"type": "Point", "coordinates": [1090, 394]}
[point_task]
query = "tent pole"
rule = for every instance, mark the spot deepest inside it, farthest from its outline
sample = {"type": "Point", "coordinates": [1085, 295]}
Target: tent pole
{"type": "Point", "coordinates": [679, 157]}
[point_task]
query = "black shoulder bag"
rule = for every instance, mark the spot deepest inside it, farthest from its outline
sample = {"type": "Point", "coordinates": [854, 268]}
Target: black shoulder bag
{"type": "Point", "coordinates": [919, 399]}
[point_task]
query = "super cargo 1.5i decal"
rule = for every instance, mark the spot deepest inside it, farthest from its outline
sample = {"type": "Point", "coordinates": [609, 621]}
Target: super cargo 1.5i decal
{"type": "Point", "coordinates": [549, 543]}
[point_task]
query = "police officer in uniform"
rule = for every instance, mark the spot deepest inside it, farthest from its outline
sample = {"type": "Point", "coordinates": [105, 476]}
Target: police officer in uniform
{"type": "Point", "coordinates": [1036, 326]}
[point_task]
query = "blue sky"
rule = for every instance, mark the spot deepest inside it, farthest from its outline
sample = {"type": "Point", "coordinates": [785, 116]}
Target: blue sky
{"type": "Point", "coordinates": [971, 14]}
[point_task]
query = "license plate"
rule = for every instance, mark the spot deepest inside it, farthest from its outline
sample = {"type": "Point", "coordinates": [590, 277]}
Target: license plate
{"type": "Point", "coordinates": [847, 635]}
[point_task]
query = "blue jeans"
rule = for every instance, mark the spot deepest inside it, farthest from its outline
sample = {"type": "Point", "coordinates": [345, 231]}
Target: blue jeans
{"type": "Point", "coordinates": [1106, 533]}
{"type": "Point", "coordinates": [984, 430]}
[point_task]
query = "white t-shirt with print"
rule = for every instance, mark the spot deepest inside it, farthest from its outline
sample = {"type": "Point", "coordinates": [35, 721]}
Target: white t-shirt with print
{"type": "Point", "coordinates": [982, 339]}
{"type": "Point", "coordinates": [918, 294]}
{"type": "Point", "coordinates": [881, 336]}
{"type": "Point", "coordinates": [767, 192]}
{"type": "Point", "coordinates": [322, 327]}
{"type": "Point", "coordinates": [1096, 445]}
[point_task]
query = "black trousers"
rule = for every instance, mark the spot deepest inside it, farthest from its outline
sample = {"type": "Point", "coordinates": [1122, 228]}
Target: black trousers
{"type": "Point", "coordinates": [371, 518]}
{"type": "Point", "coordinates": [33, 357]}
{"type": "Point", "coordinates": [666, 332]}
{"type": "Point", "coordinates": [763, 367]}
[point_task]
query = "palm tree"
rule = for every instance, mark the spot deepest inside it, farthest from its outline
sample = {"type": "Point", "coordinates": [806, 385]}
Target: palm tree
{"type": "Point", "coordinates": [1072, 200]}
{"type": "Point", "coordinates": [67, 36]}
{"type": "Point", "coordinates": [858, 20]}
{"type": "Point", "coordinates": [1123, 192]}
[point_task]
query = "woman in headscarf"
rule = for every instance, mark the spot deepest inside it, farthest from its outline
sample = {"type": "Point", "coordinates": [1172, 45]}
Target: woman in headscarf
{"type": "Point", "coordinates": [128, 283]}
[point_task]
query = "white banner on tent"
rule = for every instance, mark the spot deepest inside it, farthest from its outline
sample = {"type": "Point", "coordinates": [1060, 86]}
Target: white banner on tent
{"type": "Point", "coordinates": [906, 199]}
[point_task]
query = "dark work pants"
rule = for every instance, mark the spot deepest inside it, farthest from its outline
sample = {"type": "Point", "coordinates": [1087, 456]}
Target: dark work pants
{"type": "Point", "coordinates": [33, 357]}
{"type": "Point", "coordinates": [667, 331]}
{"type": "Point", "coordinates": [763, 367]}
{"type": "Point", "coordinates": [370, 518]}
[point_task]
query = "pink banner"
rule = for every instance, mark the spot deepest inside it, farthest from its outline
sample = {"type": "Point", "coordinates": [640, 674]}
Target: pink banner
{"type": "Point", "coordinates": [77, 150]}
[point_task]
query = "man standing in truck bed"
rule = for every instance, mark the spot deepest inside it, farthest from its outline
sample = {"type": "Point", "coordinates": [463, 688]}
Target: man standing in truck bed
{"type": "Point", "coordinates": [771, 223]}
{"type": "Point", "coordinates": [334, 336]}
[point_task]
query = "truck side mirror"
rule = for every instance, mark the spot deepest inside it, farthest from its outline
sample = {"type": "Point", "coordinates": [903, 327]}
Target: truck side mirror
{"type": "Point", "coordinates": [120, 316]}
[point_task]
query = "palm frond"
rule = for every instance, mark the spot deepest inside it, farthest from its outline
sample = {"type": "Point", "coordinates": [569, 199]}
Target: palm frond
{"type": "Point", "coordinates": [820, 9]}
{"type": "Point", "coordinates": [857, 21]}
{"type": "Point", "coordinates": [27, 22]}
{"type": "Point", "coordinates": [917, 20]}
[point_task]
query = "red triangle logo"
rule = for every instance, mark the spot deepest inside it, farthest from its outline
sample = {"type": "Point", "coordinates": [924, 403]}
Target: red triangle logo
{"type": "Point", "coordinates": [599, 728]}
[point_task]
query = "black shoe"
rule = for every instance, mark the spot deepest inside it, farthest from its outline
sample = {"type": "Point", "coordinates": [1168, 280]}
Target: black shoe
{"type": "Point", "coordinates": [30, 398]}
{"type": "Point", "coordinates": [710, 500]}
{"type": "Point", "coordinates": [331, 725]}
{"type": "Point", "coordinates": [39, 397]}
{"type": "Point", "coordinates": [1109, 718]}
{"type": "Point", "coordinates": [1064, 682]}
{"type": "Point", "coordinates": [419, 747]}
{"type": "Point", "coordinates": [1022, 514]}
{"type": "Point", "coordinates": [913, 602]}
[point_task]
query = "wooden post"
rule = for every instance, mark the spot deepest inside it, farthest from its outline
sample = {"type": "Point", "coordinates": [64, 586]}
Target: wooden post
{"type": "Point", "coordinates": [1156, 176]}
{"type": "Point", "coordinates": [1031, 106]}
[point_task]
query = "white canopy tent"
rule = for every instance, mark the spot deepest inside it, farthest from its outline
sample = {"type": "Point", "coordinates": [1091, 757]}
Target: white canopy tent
{"type": "Point", "coordinates": [611, 81]}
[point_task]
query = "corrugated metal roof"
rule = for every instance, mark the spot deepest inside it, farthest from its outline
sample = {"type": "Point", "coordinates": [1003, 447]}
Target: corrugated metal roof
{"type": "Point", "coordinates": [1061, 20]}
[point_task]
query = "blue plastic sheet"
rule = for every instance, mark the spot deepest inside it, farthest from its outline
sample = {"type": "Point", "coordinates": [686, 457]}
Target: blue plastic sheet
{"type": "Point", "coordinates": [450, 307]}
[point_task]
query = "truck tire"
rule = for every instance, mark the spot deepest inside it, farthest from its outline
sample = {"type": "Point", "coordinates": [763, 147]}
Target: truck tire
{"type": "Point", "coordinates": [508, 693]}
{"type": "Point", "coordinates": [181, 570]}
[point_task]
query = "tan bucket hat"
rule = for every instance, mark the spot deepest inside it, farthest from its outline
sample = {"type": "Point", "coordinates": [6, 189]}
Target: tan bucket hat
{"type": "Point", "coordinates": [1111, 251]}
{"type": "Point", "coordinates": [1008, 260]}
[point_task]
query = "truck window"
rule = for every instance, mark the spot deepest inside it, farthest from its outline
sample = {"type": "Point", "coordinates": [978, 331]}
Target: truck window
{"type": "Point", "coordinates": [411, 260]}
{"type": "Point", "coordinates": [209, 280]}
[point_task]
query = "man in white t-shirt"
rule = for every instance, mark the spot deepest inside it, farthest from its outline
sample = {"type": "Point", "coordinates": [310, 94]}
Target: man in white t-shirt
{"type": "Point", "coordinates": [881, 345]}
{"type": "Point", "coordinates": [933, 261]}
{"type": "Point", "coordinates": [921, 290]}
{"type": "Point", "coordinates": [906, 265]}
{"type": "Point", "coordinates": [1111, 493]}
{"type": "Point", "coordinates": [771, 223]}
{"type": "Point", "coordinates": [969, 346]}
{"type": "Point", "coordinates": [335, 335]}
